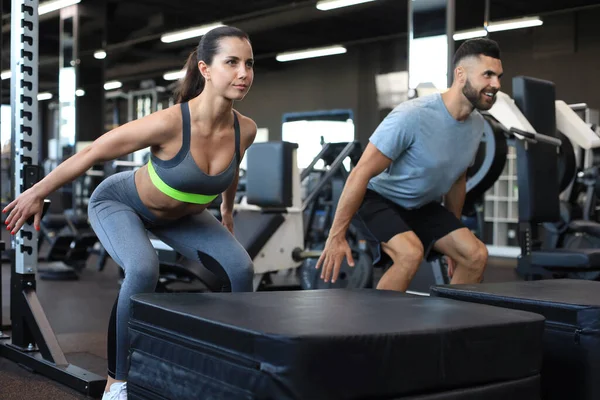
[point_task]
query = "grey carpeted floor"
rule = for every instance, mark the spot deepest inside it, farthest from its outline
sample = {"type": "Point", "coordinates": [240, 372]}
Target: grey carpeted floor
{"type": "Point", "coordinates": [79, 311]}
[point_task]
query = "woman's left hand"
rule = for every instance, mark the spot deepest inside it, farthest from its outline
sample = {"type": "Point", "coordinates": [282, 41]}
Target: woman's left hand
{"type": "Point", "coordinates": [227, 220]}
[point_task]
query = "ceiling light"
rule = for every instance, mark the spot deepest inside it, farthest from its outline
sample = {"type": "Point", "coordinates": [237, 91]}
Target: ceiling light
{"type": "Point", "coordinates": [326, 5]}
{"type": "Point", "coordinates": [311, 53]}
{"type": "Point", "coordinates": [100, 55]}
{"type": "Point", "coordinates": [174, 75]}
{"type": "Point", "coordinates": [50, 6]}
{"type": "Point", "coordinates": [514, 24]}
{"type": "Point", "coordinates": [80, 92]}
{"type": "Point", "coordinates": [44, 96]}
{"type": "Point", "coordinates": [5, 74]}
{"type": "Point", "coordinates": [469, 34]}
{"type": "Point", "coordinates": [112, 85]}
{"type": "Point", "coordinates": [188, 33]}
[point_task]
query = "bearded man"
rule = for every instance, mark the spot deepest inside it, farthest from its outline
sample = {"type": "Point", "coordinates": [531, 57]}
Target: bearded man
{"type": "Point", "coordinates": [409, 186]}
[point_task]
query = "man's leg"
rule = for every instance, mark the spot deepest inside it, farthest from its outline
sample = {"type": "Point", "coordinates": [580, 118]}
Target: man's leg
{"type": "Point", "coordinates": [440, 230]}
{"type": "Point", "coordinates": [406, 252]}
{"type": "Point", "coordinates": [467, 251]}
{"type": "Point", "coordinates": [385, 227]}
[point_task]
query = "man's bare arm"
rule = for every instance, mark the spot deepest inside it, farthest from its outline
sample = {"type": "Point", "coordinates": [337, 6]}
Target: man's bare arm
{"type": "Point", "coordinates": [371, 163]}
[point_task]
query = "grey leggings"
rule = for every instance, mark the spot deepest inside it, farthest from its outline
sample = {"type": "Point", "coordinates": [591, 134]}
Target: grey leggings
{"type": "Point", "coordinates": [121, 222]}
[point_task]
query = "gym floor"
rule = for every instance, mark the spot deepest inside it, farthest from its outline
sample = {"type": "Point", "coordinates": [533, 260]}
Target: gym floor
{"type": "Point", "coordinates": [79, 311]}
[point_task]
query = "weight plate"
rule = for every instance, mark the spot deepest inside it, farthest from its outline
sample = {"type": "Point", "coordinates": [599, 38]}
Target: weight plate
{"type": "Point", "coordinates": [357, 277]}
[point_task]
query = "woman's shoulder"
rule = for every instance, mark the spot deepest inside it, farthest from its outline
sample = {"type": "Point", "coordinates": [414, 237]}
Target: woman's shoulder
{"type": "Point", "coordinates": [169, 116]}
{"type": "Point", "coordinates": [247, 127]}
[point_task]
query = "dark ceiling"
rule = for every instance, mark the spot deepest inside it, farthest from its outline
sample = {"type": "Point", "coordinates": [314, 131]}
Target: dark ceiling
{"type": "Point", "coordinates": [130, 30]}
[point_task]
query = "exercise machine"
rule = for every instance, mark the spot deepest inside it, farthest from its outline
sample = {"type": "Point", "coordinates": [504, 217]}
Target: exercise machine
{"type": "Point", "coordinates": [70, 240]}
{"type": "Point", "coordinates": [270, 220]}
{"type": "Point", "coordinates": [538, 194]}
{"type": "Point", "coordinates": [579, 202]}
{"type": "Point", "coordinates": [31, 342]}
{"type": "Point", "coordinates": [322, 188]}
{"type": "Point", "coordinates": [536, 99]}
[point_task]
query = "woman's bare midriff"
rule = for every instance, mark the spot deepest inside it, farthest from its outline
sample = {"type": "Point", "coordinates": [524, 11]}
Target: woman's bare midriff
{"type": "Point", "coordinates": [161, 205]}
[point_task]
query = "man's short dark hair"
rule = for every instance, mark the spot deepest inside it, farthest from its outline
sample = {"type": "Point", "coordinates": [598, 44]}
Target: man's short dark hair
{"type": "Point", "coordinates": [476, 47]}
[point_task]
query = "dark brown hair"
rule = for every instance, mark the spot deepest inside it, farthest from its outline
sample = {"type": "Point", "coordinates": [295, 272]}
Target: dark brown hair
{"type": "Point", "coordinates": [476, 47]}
{"type": "Point", "coordinates": [193, 83]}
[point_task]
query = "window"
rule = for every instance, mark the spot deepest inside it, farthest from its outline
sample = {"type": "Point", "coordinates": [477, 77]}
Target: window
{"type": "Point", "coordinates": [312, 130]}
{"type": "Point", "coordinates": [428, 62]}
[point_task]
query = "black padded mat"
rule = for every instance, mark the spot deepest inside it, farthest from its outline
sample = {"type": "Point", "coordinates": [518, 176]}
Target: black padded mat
{"type": "Point", "coordinates": [569, 301]}
{"type": "Point", "coordinates": [304, 344]}
{"type": "Point", "coordinates": [571, 361]}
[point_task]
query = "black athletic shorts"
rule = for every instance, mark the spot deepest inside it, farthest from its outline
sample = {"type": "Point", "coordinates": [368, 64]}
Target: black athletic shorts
{"type": "Point", "coordinates": [383, 219]}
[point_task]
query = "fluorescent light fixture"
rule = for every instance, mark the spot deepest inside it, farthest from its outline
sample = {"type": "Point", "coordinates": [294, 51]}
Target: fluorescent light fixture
{"type": "Point", "coordinates": [44, 96]}
{"type": "Point", "coordinates": [514, 24]}
{"type": "Point", "coordinates": [100, 55]}
{"type": "Point", "coordinates": [310, 53]}
{"type": "Point", "coordinates": [469, 34]}
{"type": "Point", "coordinates": [188, 33]}
{"type": "Point", "coordinates": [80, 92]}
{"type": "Point", "coordinates": [174, 75]}
{"type": "Point", "coordinates": [112, 85]}
{"type": "Point", "coordinates": [326, 5]}
{"type": "Point", "coordinates": [6, 74]}
{"type": "Point", "coordinates": [50, 6]}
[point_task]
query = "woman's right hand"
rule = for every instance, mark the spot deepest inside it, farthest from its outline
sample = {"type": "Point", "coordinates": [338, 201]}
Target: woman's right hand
{"type": "Point", "coordinates": [20, 209]}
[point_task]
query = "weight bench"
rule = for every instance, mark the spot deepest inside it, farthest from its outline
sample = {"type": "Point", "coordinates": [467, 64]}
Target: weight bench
{"type": "Point", "coordinates": [253, 229]}
{"type": "Point", "coordinates": [268, 221]}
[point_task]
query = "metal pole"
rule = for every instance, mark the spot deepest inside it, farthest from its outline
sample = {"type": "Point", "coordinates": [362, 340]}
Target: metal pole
{"type": "Point", "coordinates": [486, 15]}
{"type": "Point", "coordinates": [1, 192]}
{"type": "Point", "coordinates": [450, 26]}
{"type": "Point", "coordinates": [335, 166]}
{"type": "Point", "coordinates": [24, 135]}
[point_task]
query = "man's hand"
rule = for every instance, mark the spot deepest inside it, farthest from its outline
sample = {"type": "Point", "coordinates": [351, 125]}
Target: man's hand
{"type": "Point", "coordinates": [333, 254]}
{"type": "Point", "coordinates": [371, 163]}
{"type": "Point", "coordinates": [227, 220]}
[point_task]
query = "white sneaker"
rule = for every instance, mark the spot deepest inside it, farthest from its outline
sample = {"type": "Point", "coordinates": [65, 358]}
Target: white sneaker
{"type": "Point", "coordinates": [118, 391]}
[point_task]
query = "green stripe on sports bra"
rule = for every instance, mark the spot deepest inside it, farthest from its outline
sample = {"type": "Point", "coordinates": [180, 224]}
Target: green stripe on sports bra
{"type": "Point", "coordinates": [177, 194]}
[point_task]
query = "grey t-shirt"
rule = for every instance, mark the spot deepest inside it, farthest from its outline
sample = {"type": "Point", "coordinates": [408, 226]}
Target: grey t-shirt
{"type": "Point", "coordinates": [429, 150]}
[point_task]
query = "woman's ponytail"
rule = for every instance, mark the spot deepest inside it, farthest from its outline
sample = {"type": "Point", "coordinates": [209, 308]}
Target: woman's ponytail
{"type": "Point", "coordinates": [193, 82]}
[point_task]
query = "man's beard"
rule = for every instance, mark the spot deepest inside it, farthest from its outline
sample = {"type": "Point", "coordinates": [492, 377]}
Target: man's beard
{"type": "Point", "coordinates": [477, 99]}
